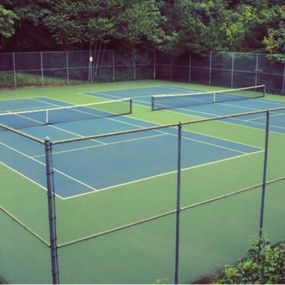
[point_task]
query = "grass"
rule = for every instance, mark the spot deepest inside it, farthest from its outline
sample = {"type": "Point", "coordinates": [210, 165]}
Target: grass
{"type": "Point", "coordinates": [212, 233]}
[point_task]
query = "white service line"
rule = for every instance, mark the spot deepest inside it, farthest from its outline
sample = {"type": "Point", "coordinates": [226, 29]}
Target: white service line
{"type": "Point", "coordinates": [160, 175]}
{"type": "Point", "coordinates": [43, 164]}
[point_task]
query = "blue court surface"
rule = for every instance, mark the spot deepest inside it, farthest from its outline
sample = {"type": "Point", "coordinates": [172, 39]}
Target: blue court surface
{"type": "Point", "coordinates": [142, 96]}
{"type": "Point", "coordinates": [100, 164]}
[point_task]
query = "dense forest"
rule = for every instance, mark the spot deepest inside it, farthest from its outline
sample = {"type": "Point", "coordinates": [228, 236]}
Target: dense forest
{"type": "Point", "coordinates": [168, 25]}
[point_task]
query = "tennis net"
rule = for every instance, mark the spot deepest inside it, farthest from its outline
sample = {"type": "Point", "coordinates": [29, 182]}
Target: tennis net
{"type": "Point", "coordinates": [159, 102]}
{"type": "Point", "coordinates": [55, 115]}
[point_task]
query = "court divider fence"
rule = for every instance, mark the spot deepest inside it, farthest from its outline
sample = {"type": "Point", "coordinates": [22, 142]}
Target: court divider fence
{"type": "Point", "coordinates": [176, 217]}
{"type": "Point", "coordinates": [229, 69]}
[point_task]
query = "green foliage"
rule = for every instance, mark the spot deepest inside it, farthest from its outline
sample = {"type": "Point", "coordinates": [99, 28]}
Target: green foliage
{"type": "Point", "coordinates": [7, 19]}
{"type": "Point", "coordinates": [87, 21]}
{"type": "Point", "coordinates": [26, 79]}
{"type": "Point", "coordinates": [264, 264]}
{"type": "Point", "coordinates": [175, 26]}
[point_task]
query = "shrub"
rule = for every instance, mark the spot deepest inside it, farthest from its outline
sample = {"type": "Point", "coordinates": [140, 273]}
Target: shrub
{"type": "Point", "coordinates": [263, 264]}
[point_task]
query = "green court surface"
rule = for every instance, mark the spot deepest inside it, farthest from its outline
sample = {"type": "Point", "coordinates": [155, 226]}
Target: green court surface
{"type": "Point", "coordinates": [127, 234]}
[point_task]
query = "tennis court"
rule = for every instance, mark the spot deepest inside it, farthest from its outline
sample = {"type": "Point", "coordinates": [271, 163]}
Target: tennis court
{"type": "Point", "coordinates": [205, 104]}
{"type": "Point", "coordinates": [75, 175]}
{"type": "Point", "coordinates": [117, 166]}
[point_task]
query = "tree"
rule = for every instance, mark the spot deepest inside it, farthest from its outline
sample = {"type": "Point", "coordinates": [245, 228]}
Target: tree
{"type": "Point", "coordinates": [274, 41]}
{"type": "Point", "coordinates": [7, 20]}
{"type": "Point", "coordinates": [95, 21]}
{"type": "Point", "coordinates": [30, 31]}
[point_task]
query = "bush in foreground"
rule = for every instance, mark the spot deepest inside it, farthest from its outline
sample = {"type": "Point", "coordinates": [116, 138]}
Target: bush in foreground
{"type": "Point", "coordinates": [263, 264]}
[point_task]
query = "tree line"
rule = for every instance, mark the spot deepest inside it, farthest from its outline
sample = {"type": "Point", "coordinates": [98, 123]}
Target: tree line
{"type": "Point", "coordinates": [167, 25]}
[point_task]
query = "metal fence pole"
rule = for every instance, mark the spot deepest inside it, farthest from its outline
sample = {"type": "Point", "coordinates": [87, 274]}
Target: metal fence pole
{"type": "Point", "coordinates": [190, 66]}
{"type": "Point", "coordinates": [67, 67]}
{"type": "Point", "coordinates": [42, 68]}
{"type": "Point", "coordinates": [283, 81]}
{"type": "Point", "coordinates": [154, 64]}
{"type": "Point", "coordinates": [90, 67]}
{"type": "Point", "coordinates": [113, 65]}
{"type": "Point", "coordinates": [14, 70]}
{"type": "Point", "coordinates": [232, 70]}
{"type": "Point", "coordinates": [171, 67]}
{"type": "Point", "coordinates": [256, 69]}
{"type": "Point", "coordinates": [178, 205]}
{"type": "Point", "coordinates": [210, 68]}
{"type": "Point", "coordinates": [261, 221]}
{"type": "Point", "coordinates": [51, 212]}
{"type": "Point", "coordinates": [134, 65]}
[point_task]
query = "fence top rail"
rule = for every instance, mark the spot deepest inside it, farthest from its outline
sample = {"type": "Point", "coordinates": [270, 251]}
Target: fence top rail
{"type": "Point", "coordinates": [21, 133]}
{"type": "Point", "coordinates": [51, 51]}
{"type": "Point", "coordinates": [67, 107]}
{"type": "Point", "coordinates": [94, 137]}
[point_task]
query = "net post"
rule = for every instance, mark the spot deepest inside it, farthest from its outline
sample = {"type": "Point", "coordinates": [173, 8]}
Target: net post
{"type": "Point", "coordinates": [214, 97]}
{"type": "Point", "coordinates": [46, 116]}
{"type": "Point", "coordinates": [178, 204]}
{"type": "Point", "coordinates": [51, 211]}
{"type": "Point", "coordinates": [14, 70]}
{"type": "Point", "coordinates": [131, 105]}
{"type": "Point", "coordinates": [264, 178]}
{"type": "Point", "coordinates": [152, 103]}
{"type": "Point", "coordinates": [42, 68]}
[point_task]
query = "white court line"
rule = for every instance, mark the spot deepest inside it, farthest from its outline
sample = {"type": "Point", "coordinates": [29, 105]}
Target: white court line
{"type": "Point", "coordinates": [136, 125]}
{"type": "Point", "coordinates": [273, 114]}
{"type": "Point", "coordinates": [29, 179]}
{"type": "Point", "coordinates": [58, 128]}
{"type": "Point", "coordinates": [147, 137]}
{"type": "Point", "coordinates": [95, 146]}
{"type": "Point", "coordinates": [160, 175]}
{"type": "Point", "coordinates": [43, 164]}
{"type": "Point", "coordinates": [15, 99]}
{"type": "Point", "coordinates": [191, 131]}
{"type": "Point", "coordinates": [115, 97]}
{"type": "Point", "coordinates": [42, 101]}
{"type": "Point", "coordinates": [235, 119]}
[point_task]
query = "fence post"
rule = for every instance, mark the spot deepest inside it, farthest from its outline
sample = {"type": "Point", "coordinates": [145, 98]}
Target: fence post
{"type": "Point", "coordinates": [154, 64]}
{"type": "Point", "coordinates": [113, 65]}
{"type": "Point", "coordinates": [51, 212]}
{"type": "Point", "coordinates": [42, 68]}
{"type": "Point", "coordinates": [256, 69]}
{"type": "Point", "coordinates": [283, 81]}
{"type": "Point", "coordinates": [134, 64]}
{"type": "Point", "coordinates": [90, 67]}
{"type": "Point", "coordinates": [210, 68]}
{"type": "Point", "coordinates": [261, 221]}
{"type": "Point", "coordinates": [14, 70]}
{"type": "Point", "coordinates": [67, 67]}
{"type": "Point", "coordinates": [178, 205]}
{"type": "Point", "coordinates": [171, 67]}
{"type": "Point", "coordinates": [232, 70]}
{"type": "Point", "coordinates": [190, 66]}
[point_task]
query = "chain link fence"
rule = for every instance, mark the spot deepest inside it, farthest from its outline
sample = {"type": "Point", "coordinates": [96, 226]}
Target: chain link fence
{"type": "Point", "coordinates": [74, 67]}
{"type": "Point", "coordinates": [174, 216]}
